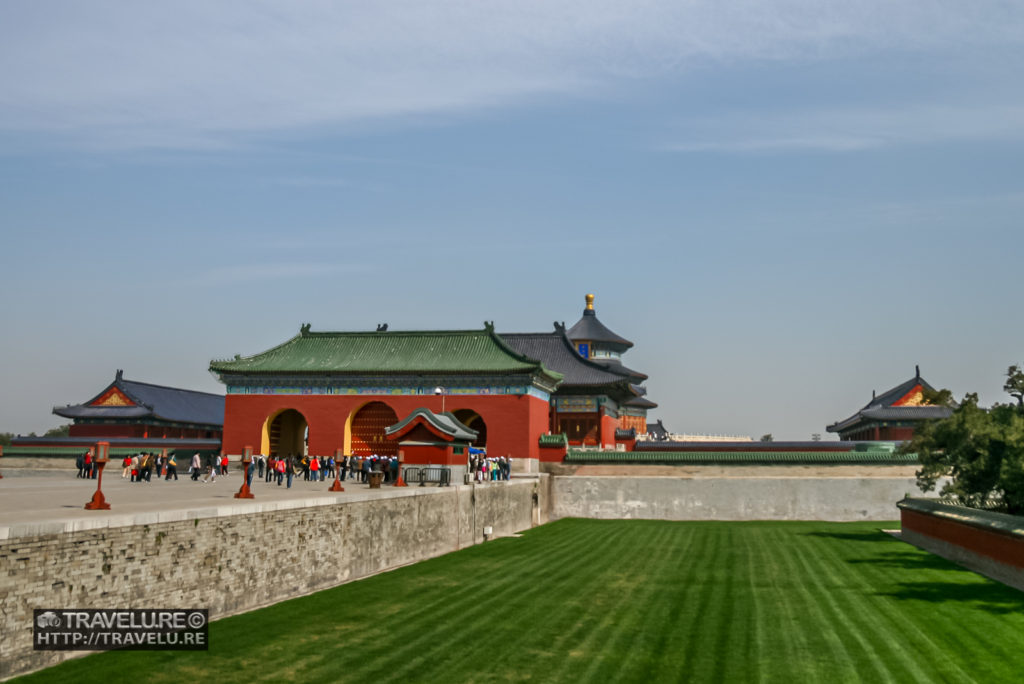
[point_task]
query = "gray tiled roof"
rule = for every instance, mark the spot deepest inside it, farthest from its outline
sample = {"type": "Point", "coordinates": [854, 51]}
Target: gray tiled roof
{"type": "Point", "coordinates": [157, 401]}
{"type": "Point", "coordinates": [615, 366]}
{"type": "Point", "coordinates": [589, 328]}
{"type": "Point", "coordinates": [445, 422]}
{"type": "Point", "coordinates": [555, 351]}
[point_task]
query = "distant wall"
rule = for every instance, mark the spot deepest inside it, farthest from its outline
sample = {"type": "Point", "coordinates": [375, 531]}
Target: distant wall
{"type": "Point", "coordinates": [240, 557]}
{"type": "Point", "coordinates": [729, 498]}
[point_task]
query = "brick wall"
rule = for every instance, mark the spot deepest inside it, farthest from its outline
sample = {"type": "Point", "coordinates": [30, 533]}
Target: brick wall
{"type": "Point", "coordinates": [234, 563]}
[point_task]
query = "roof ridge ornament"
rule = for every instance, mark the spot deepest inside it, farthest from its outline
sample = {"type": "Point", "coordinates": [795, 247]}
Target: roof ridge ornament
{"type": "Point", "coordinates": [590, 303]}
{"type": "Point", "coordinates": [304, 329]}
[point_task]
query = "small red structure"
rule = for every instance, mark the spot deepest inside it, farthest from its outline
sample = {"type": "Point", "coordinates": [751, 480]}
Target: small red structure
{"type": "Point", "coordinates": [336, 487]}
{"type": "Point", "coordinates": [98, 502]}
{"type": "Point", "coordinates": [244, 492]}
{"type": "Point", "coordinates": [428, 438]}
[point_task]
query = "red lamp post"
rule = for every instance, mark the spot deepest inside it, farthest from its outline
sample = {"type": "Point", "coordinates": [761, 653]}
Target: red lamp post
{"type": "Point", "coordinates": [98, 502]}
{"type": "Point", "coordinates": [336, 487]}
{"type": "Point", "coordinates": [401, 459]}
{"type": "Point", "coordinates": [244, 492]}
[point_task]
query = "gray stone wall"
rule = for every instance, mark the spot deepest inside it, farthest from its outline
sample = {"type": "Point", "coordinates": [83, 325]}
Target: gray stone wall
{"type": "Point", "coordinates": [729, 498]}
{"type": "Point", "coordinates": [230, 563]}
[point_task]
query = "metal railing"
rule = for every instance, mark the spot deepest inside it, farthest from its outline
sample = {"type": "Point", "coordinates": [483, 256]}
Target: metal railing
{"type": "Point", "coordinates": [423, 474]}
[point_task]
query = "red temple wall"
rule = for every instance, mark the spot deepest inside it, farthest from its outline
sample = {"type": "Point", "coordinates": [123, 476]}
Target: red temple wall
{"type": "Point", "coordinates": [895, 434]}
{"type": "Point", "coordinates": [1001, 547]}
{"type": "Point", "coordinates": [514, 422]}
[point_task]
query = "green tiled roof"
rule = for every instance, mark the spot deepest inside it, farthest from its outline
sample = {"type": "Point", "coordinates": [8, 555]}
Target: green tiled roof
{"type": "Point", "coordinates": [416, 352]}
{"type": "Point", "coordinates": [64, 452]}
{"type": "Point", "coordinates": [559, 440]}
{"type": "Point", "coordinates": [739, 457]}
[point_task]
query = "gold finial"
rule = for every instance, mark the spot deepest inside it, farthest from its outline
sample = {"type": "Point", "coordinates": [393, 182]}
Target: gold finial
{"type": "Point", "coordinates": [590, 302]}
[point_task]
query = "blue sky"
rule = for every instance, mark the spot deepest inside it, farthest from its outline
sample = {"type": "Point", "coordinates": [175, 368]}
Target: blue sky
{"type": "Point", "coordinates": [783, 204]}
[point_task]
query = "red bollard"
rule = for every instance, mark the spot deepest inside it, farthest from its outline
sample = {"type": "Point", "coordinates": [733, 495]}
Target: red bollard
{"type": "Point", "coordinates": [98, 502]}
{"type": "Point", "coordinates": [336, 487]}
{"type": "Point", "coordinates": [244, 492]}
{"type": "Point", "coordinates": [400, 482]}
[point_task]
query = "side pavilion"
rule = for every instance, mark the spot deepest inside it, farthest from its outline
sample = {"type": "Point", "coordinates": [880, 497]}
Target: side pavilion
{"type": "Point", "coordinates": [324, 391]}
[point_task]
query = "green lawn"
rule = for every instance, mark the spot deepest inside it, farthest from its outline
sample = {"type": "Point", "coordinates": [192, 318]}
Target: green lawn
{"type": "Point", "coordinates": [600, 601]}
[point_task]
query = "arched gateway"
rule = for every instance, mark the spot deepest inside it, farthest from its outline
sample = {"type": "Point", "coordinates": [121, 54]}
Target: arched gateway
{"type": "Point", "coordinates": [367, 430]}
{"type": "Point", "coordinates": [285, 432]}
{"type": "Point", "coordinates": [473, 421]}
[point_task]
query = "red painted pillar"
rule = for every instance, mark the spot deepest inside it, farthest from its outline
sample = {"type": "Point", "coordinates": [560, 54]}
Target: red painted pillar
{"type": "Point", "coordinates": [98, 502]}
{"type": "Point", "coordinates": [244, 492]}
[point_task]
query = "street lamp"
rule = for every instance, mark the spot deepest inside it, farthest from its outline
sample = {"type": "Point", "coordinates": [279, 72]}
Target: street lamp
{"type": "Point", "coordinates": [98, 502]}
{"type": "Point", "coordinates": [440, 391]}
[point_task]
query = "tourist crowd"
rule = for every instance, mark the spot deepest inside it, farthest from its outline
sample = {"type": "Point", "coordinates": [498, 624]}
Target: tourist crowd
{"type": "Point", "coordinates": [486, 469]}
{"type": "Point", "coordinates": [283, 469]}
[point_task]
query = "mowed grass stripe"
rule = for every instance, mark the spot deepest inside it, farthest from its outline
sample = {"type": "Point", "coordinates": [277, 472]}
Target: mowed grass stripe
{"type": "Point", "coordinates": [624, 601]}
{"type": "Point", "coordinates": [884, 620]}
{"type": "Point", "coordinates": [826, 585]}
{"type": "Point", "coordinates": [517, 616]}
{"type": "Point", "coordinates": [880, 648]}
{"type": "Point", "coordinates": [490, 592]}
{"type": "Point", "coordinates": [665, 627]}
{"type": "Point", "coordinates": [881, 642]}
{"type": "Point", "coordinates": [935, 643]}
{"type": "Point", "coordinates": [590, 597]}
{"type": "Point", "coordinates": [782, 648]}
{"type": "Point", "coordinates": [617, 622]}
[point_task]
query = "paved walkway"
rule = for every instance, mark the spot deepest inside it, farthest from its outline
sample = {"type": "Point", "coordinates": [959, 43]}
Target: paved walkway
{"type": "Point", "coordinates": [40, 502]}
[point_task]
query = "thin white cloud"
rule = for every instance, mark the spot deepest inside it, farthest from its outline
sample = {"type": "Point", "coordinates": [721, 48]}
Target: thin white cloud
{"type": "Point", "coordinates": [850, 130]}
{"type": "Point", "coordinates": [193, 73]}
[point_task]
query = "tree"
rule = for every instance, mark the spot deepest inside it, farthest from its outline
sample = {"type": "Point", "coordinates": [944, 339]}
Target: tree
{"type": "Point", "coordinates": [5, 438]}
{"type": "Point", "coordinates": [1015, 384]}
{"type": "Point", "coordinates": [59, 431]}
{"type": "Point", "coordinates": [767, 437]}
{"type": "Point", "coordinates": [981, 451]}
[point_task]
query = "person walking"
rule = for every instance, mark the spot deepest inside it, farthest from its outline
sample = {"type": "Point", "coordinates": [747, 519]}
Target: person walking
{"type": "Point", "coordinates": [212, 466]}
{"type": "Point", "coordinates": [196, 466]}
{"type": "Point", "coordinates": [172, 469]}
{"type": "Point", "coordinates": [289, 470]}
{"type": "Point", "coordinates": [344, 467]}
